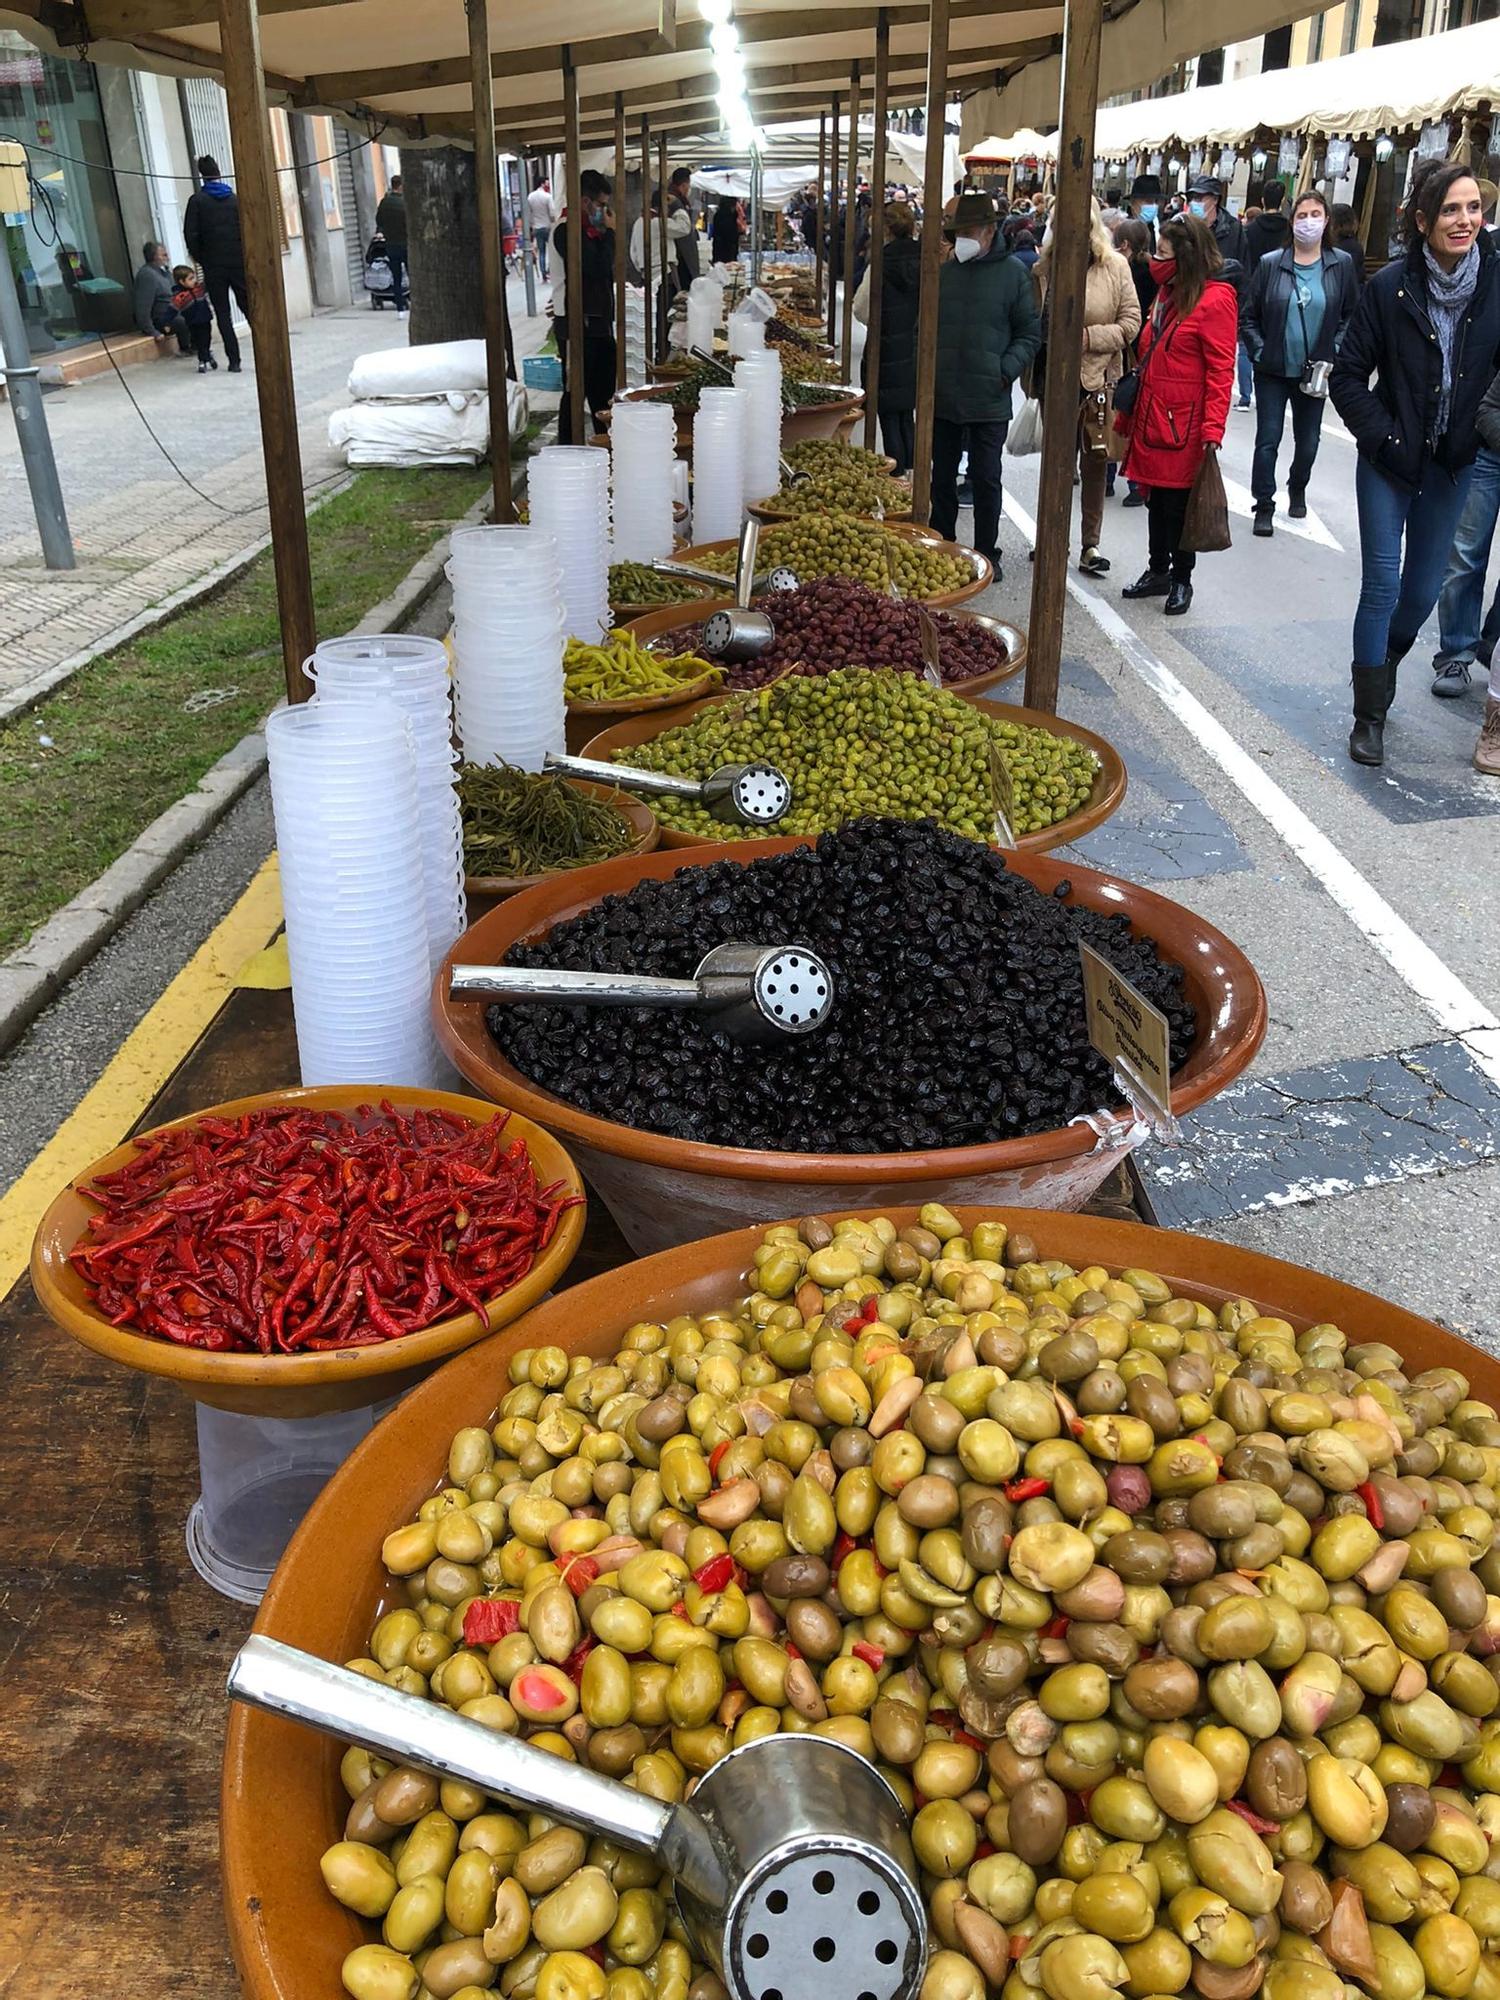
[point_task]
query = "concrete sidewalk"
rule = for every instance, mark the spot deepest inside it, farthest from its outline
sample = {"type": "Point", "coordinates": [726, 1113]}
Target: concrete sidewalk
{"type": "Point", "coordinates": [145, 539]}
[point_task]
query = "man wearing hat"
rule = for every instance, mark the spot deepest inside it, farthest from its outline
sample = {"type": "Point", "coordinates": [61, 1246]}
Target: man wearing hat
{"type": "Point", "coordinates": [988, 329]}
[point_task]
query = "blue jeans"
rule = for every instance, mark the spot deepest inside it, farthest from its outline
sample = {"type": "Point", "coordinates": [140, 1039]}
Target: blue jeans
{"type": "Point", "coordinates": [1398, 589]}
{"type": "Point", "coordinates": [1273, 394]}
{"type": "Point", "coordinates": [1462, 603]}
{"type": "Point", "coordinates": [1245, 371]}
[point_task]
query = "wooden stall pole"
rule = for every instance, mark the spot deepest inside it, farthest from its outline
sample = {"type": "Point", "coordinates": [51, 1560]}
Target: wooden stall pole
{"type": "Point", "coordinates": [932, 243]}
{"type": "Point", "coordinates": [572, 195]}
{"type": "Point", "coordinates": [661, 237]}
{"type": "Point", "coordinates": [491, 253]}
{"type": "Point", "coordinates": [877, 224]}
{"type": "Point", "coordinates": [622, 241]}
{"type": "Point", "coordinates": [833, 224]}
{"type": "Point", "coordinates": [851, 225]}
{"type": "Point", "coordinates": [648, 309]}
{"type": "Point", "coordinates": [1070, 261]}
{"type": "Point", "coordinates": [822, 208]}
{"type": "Point", "coordinates": [260, 227]}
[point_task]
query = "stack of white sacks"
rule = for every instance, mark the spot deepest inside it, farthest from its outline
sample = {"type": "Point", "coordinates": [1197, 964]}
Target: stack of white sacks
{"type": "Point", "coordinates": [758, 375]}
{"type": "Point", "coordinates": [569, 494]}
{"type": "Point", "coordinates": [348, 807]}
{"type": "Point", "coordinates": [421, 406]}
{"type": "Point", "coordinates": [508, 640]}
{"type": "Point", "coordinates": [642, 443]}
{"type": "Point", "coordinates": [719, 464]}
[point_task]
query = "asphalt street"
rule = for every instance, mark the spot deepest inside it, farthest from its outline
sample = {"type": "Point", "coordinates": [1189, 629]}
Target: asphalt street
{"type": "Point", "coordinates": [1366, 1139]}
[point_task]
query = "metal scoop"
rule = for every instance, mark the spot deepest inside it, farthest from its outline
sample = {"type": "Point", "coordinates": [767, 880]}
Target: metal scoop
{"type": "Point", "coordinates": [755, 992]}
{"type": "Point", "coordinates": [748, 630]}
{"type": "Point", "coordinates": [794, 1870]}
{"type": "Point", "coordinates": [738, 794]}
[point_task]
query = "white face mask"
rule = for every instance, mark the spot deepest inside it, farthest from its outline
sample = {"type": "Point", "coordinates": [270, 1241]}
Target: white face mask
{"type": "Point", "coordinates": [1308, 229]}
{"type": "Point", "coordinates": [966, 247]}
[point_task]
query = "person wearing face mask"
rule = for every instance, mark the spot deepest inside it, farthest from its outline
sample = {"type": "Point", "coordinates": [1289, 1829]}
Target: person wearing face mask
{"type": "Point", "coordinates": [1299, 301]}
{"type": "Point", "coordinates": [1184, 380]}
{"type": "Point", "coordinates": [1427, 329]}
{"type": "Point", "coordinates": [598, 361]}
{"type": "Point", "coordinates": [988, 329]}
{"type": "Point", "coordinates": [1205, 202]}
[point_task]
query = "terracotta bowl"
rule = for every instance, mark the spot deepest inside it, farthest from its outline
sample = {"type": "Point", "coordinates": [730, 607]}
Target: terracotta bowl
{"type": "Point", "coordinates": [663, 1191]}
{"type": "Point", "coordinates": [664, 619]}
{"type": "Point", "coordinates": [482, 892]}
{"type": "Point", "coordinates": [586, 718]}
{"type": "Point", "coordinates": [288, 1935]}
{"type": "Point", "coordinates": [814, 420]}
{"type": "Point", "coordinates": [298, 1385]}
{"type": "Point", "coordinates": [984, 573]}
{"type": "Point", "coordinates": [1109, 782]}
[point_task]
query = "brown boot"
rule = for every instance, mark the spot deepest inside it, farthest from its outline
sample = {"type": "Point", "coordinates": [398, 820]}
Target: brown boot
{"type": "Point", "coordinates": [1487, 749]}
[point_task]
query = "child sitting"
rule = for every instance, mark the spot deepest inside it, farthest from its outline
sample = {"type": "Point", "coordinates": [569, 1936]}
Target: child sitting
{"type": "Point", "coordinates": [191, 300]}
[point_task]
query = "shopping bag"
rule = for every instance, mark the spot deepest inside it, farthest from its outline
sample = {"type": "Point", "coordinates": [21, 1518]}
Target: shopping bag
{"type": "Point", "coordinates": [1024, 438]}
{"type": "Point", "coordinates": [1205, 528]}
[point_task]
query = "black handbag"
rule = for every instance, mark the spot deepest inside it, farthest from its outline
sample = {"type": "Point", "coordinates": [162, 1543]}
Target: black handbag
{"type": "Point", "coordinates": [1127, 390]}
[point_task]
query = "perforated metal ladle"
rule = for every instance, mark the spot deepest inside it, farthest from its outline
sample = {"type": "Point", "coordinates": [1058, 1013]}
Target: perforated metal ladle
{"type": "Point", "coordinates": [756, 993]}
{"type": "Point", "coordinates": [738, 794]}
{"type": "Point", "coordinates": [740, 633]}
{"type": "Point", "coordinates": [794, 1870]}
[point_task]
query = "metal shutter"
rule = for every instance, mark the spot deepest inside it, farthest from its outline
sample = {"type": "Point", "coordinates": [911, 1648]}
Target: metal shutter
{"type": "Point", "coordinates": [354, 250]}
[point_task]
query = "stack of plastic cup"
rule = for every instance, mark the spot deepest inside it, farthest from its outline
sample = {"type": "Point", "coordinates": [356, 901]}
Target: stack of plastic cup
{"type": "Point", "coordinates": [642, 443]}
{"type": "Point", "coordinates": [569, 489]}
{"type": "Point", "coordinates": [747, 333]}
{"type": "Point", "coordinates": [348, 829]}
{"type": "Point", "coordinates": [759, 375]}
{"type": "Point", "coordinates": [412, 673]}
{"type": "Point", "coordinates": [508, 643]}
{"type": "Point", "coordinates": [719, 464]}
{"type": "Point", "coordinates": [705, 312]}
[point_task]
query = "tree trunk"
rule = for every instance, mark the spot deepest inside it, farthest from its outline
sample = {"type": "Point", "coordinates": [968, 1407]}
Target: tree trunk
{"type": "Point", "coordinates": [442, 228]}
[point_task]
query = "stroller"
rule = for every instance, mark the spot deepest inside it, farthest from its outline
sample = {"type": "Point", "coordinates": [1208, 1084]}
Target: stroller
{"type": "Point", "coordinates": [380, 283]}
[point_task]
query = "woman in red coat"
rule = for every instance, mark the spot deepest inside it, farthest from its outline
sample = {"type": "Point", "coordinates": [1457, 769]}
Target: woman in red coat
{"type": "Point", "coordinates": [1185, 377]}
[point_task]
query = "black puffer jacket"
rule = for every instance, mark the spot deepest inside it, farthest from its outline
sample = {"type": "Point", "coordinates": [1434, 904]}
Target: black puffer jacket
{"type": "Point", "coordinates": [211, 230]}
{"type": "Point", "coordinates": [901, 273]}
{"type": "Point", "coordinates": [1268, 302]}
{"type": "Point", "coordinates": [1391, 338]}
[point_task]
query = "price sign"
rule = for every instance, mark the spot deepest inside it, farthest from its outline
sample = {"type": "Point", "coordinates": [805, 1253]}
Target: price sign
{"type": "Point", "coordinates": [1153, 165]}
{"type": "Point", "coordinates": [1002, 797]}
{"type": "Point", "coordinates": [1132, 1036]}
{"type": "Point", "coordinates": [1289, 154]}
{"type": "Point", "coordinates": [1229, 159]}
{"type": "Point", "coordinates": [932, 665]}
{"type": "Point", "coordinates": [1195, 161]}
{"type": "Point", "coordinates": [1433, 143]}
{"type": "Point", "coordinates": [1337, 159]}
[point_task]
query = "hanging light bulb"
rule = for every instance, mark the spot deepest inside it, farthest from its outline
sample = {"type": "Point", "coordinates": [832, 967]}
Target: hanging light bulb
{"type": "Point", "coordinates": [1174, 165]}
{"type": "Point", "coordinates": [715, 11]}
{"type": "Point", "coordinates": [1385, 146]}
{"type": "Point", "coordinates": [1258, 160]}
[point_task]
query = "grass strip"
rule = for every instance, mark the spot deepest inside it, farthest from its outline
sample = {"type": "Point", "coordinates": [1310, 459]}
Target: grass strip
{"type": "Point", "coordinates": [86, 770]}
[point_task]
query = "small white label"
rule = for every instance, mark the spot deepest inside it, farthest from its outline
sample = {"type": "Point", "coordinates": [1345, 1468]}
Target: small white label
{"type": "Point", "coordinates": [932, 656]}
{"type": "Point", "coordinates": [1133, 1037]}
{"type": "Point", "coordinates": [1002, 797]}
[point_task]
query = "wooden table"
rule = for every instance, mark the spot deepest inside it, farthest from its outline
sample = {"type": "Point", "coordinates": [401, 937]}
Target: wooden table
{"type": "Point", "coordinates": [113, 1651]}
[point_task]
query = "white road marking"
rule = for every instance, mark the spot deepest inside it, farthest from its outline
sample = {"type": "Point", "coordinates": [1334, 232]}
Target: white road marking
{"type": "Point", "coordinates": [1439, 989]}
{"type": "Point", "coordinates": [1312, 529]}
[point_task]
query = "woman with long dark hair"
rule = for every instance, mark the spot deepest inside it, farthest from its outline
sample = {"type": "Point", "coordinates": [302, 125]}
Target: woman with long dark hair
{"type": "Point", "coordinates": [1184, 382]}
{"type": "Point", "coordinates": [1427, 328]}
{"type": "Point", "coordinates": [725, 233]}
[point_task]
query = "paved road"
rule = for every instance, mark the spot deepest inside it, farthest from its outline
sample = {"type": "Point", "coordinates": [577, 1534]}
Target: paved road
{"type": "Point", "coordinates": [1367, 1141]}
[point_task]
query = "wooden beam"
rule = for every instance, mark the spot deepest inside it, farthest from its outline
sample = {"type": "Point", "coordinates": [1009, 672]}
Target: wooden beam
{"type": "Point", "coordinates": [833, 219]}
{"type": "Point", "coordinates": [665, 288]}
{"type": "Point", "coordinates": [666, 24]}
{"type": "Point", "coordinates": [851, 225]}
{"type": "Point", "coordinates": [648, 257]}
{"type": "Point", "coordinates": [1070, 263]}
{"type": "Point", "coordinates": [877, 228]}
{"type": "Point", "coordinates": [621, 241]}
{"type": "Point", "coordinates": [491, 256]}
{"type": "Point", "coordinates": [933, 194]}
{"type": "Point", "coordinates": [260, 229]}
{"type": "Point", "coordinates": [573, 197]}
{"type": "Point", "coordinates": [823, 201]}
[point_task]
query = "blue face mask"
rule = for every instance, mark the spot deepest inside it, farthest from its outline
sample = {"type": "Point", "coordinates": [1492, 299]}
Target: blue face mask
{"type": "Point", "coordinates": [1148, 211]}
{"type": "Point", "coordinates": [1198, 208]}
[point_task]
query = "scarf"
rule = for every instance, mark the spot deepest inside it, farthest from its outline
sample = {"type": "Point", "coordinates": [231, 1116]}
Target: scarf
{"type": "Point", "coordinates": [1448, 297]}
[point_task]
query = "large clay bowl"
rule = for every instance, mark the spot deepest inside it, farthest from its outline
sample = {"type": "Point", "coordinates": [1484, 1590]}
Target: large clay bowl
{"type": "Point", "coordinates": [482, 892]}
{"type": "Point", "coordinates": [298, 1385]}
{"type": "Point", "coordinates": [585, 719]}
{"type": "Point", "coordinates": [664, 1191]}
{"type": "Point", "coordinates": [1109, 782]}
{"type": "Point", "coordinates": [282, 1803]}
{"type": "Point", "coordinates": [663, 619]}
{"type": "Point", "coordinates": [984, 572]}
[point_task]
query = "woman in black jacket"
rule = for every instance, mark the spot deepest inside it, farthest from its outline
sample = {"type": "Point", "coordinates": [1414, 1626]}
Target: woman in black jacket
{"type": "Point", "coordinates": [1300, 300]}
{"type": "Point", "coordinates": [900, 283]}
{"type": "Point", "coordinates": [725, 233]}
{"type": "Point", "coordinates": [1427, 328]}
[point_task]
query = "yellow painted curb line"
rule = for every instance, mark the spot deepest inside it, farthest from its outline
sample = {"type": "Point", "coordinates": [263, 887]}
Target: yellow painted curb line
{"type": "Point", "coordinates": [140, 1066]}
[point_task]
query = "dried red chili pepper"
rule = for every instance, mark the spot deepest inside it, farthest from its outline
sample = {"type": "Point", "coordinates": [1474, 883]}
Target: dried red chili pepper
{"type": "Point", "coordinates": [1251, 1817]}
{"type": "Point", "coordinates": [488, 1619]}
{"type": "Point", "coordinates": [579, 1573]}
{"type": "Point", "coordinates": [1372, 1506]}
{"type": "Point", "coordinates": [1026, 1489]}
{"type": "Point", "coordinates": [873, 1656]}
{"type": "Point", "coordinates": [717, 1573]}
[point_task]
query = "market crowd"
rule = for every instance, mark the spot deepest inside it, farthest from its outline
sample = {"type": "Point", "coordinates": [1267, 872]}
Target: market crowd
{"type": "Point", "coordinates": [1188, 308]}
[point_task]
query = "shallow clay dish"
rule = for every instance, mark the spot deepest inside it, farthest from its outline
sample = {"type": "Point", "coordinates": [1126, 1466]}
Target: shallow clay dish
{"type": "Point", "coordinates": [586, 718]}
{"type": "Point", "coordinates": [983, 568]}
{"type": "Point", "coordinates": [484, 891]}
{"type": "Point", "coordinates": [291, 1385]}
{"type": "Point", "coordinates": [664, 1190]}
{"type": "Point", "coordinates": [282, 1803]}
{"type": "Point", "coordinates": [1110, 780]}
